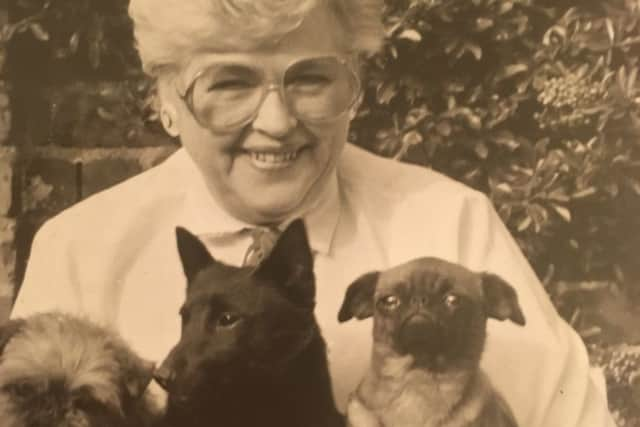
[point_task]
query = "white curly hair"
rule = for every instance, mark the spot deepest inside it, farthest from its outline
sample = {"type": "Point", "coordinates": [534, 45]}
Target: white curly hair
{"type": "Point", "coordinates": [169, 32]}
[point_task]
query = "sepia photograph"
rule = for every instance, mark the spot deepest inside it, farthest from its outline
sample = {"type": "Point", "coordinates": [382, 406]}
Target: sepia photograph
{"type": "Point", "coordinates": [319, 213]}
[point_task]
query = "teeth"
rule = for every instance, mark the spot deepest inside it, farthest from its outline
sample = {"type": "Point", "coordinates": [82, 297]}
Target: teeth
{"type": "Point", "coordinates": [272, 160]}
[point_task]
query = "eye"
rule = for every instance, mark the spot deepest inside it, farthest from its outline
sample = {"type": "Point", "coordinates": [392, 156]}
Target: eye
{"type": "Point", "coordinates": [228, 320]}
{"type": "Point", "coordinates": [20, 389]}
{"type": "Point", "coordinates": [311, 79]}
{"type": "Point", "coordinates": [88, 404]}
{"type": "Point", "coordinates": [451, 300]}
{"type": "Point", "coordinates": [389, 302]}
{"type": "Point", "coordinates": [230, 84]}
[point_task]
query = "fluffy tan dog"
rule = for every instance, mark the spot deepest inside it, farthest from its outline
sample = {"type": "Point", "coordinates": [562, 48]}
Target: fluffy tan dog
{"type": "Point", "coordinates": [62, 371]}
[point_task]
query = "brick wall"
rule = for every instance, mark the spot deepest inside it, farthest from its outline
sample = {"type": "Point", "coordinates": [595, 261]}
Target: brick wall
{"type": "Point", "coordinates": [60, 142]}
{"type": "Point", "coordinates": [7, 159]}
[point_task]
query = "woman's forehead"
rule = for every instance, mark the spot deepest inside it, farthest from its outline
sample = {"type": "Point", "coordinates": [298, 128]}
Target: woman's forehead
{"type": "Point", "coordinates": [310, 39]}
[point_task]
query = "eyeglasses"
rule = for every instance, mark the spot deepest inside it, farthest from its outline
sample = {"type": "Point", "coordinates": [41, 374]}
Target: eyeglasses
{"type": "Point", "coordinates": [225, 97]}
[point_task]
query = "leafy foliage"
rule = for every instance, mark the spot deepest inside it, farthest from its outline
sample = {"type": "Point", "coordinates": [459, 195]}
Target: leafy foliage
{"type": "Point", "coordinates": [536, 105]}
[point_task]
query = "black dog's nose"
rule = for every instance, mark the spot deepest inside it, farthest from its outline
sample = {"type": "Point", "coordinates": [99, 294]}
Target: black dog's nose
{"type": "Point", "coordinates": [164, 376]}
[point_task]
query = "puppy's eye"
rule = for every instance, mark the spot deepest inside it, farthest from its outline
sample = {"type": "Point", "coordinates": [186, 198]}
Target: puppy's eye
{"type": "Point", "coordinates": [451, 300]}
{"type": "Point", "coordinates": [88, 404]}
{"type": "Point", "coordinates": [227, 320]}
{"type": "Point", "coordinates": [389, 302]}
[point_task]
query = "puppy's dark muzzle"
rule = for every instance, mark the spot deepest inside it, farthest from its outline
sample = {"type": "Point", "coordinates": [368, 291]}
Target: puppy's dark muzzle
{"type": "Point", "coordinates": [419, 333]}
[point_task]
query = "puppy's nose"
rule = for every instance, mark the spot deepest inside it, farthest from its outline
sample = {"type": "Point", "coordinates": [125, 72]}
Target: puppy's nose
{"type": "Point", "coordinates": [164, 376]}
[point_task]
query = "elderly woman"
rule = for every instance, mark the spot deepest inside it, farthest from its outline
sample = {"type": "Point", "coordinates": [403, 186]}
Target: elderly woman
{"type": "Point", "coordinates": [261, 93]}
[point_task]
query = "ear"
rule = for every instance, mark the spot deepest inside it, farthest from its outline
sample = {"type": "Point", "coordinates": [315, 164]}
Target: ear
{"type": "Point", "coordinates": [290, 263]}
{"type": "Point", "coordinates": [193, 253]}
{"type": "Point", "coordinates": [500, 299]}
{"type": "Point", "coordinates": [169, 119]}
{"type": "Point", "coordinates": [138, 373]}
{"type": "Point", "coordinates": [166, 98]}
{"type": "Point", "coordinates": [358, 300]}
{"type": "Point", "coordinates": [8, 330]}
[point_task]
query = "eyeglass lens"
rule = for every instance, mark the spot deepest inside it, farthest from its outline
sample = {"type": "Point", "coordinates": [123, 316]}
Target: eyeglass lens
{"type": "Point", "coordinates": [315, 89]}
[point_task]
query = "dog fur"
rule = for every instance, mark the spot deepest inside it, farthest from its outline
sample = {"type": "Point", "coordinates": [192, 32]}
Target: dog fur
{"type": "Point", "coordinates": [58, 370]}
{"type": "Point", "coordinates": [429, 332]}
{"type": "Point", "coordinates": [250, 351]}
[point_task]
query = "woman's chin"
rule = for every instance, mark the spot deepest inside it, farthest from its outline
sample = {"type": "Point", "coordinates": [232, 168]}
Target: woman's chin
{"type": "Point", "coordinates": [273, 210]}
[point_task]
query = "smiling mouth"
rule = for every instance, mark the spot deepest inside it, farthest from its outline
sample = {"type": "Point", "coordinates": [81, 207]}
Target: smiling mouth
{"type": "Point", "coordinates": [270, 160]}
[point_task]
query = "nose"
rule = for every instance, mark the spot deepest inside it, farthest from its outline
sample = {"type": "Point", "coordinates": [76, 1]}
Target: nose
{"type": "Point", "coordinates": [274, 118]}
{"type": "Point", "coordinates": [164, 376]}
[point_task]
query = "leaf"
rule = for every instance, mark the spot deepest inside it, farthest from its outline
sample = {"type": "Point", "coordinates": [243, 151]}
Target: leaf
{"type": "Point", "coordinates": [524, 224]}
{"type": "Point", "coordinates": [554, 34]}
{"type": "Point", "coordinates": [481, 150]}
{"type": "Point", "coordinates": [412, 138]}
{"type": "Point", "coordinates": [584, 193]}
{"type": "Point", "coordinates": [610, 31]}
{"type": "Point", "coordinates": [634, 184]}
{"type": "Point", "coordinates": [39, 32]}
{"type": "Point", "coordinates": [562, 211]}
{"type": "Point", "coordinates": [505, 7]}
{"type": "Point", "coordinates": [513, 69]}
{"type": "Point", "coordinates": [631, 82]}
{"type": "Point", "coordinates": [410, 34]}
{"type": "Point", "coordinates": [444, 128]}
{"type": "Point", "coordinates": [106, 115]}
{"type": "Point", "coordinates": [483, 23]}
{"type": "Point", "coordinates": [472, 48]}
{"type": "Point", "coordinates": [385, 92]}
{"type": "Point", "coordinates": [622, 78]}
{"type": "Point", "coordinates": [558, 195]}
{"type": "Point", "coordinates": [74, 42]}
{"type": "Point", "coordinates": [506, 139]}
{"type": "Point", "coordinates": [504, 188]}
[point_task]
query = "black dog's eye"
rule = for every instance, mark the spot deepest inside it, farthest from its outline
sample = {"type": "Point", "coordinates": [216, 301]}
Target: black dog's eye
{"type": "Point", "coordinates": [451, 300]}
{"type": "Point", "coordinates": [389, 302]}
{"type": "Point", "coordinates": [227, 320]}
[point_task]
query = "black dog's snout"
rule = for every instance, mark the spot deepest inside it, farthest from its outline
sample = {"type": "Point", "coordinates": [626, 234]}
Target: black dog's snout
{"type": "Point", "coordinates": [164, 376]}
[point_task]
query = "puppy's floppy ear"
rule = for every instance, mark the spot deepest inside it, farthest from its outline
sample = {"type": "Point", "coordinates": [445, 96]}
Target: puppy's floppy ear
{"type": "Point", "coordinates": [358, 301]}
{"type": "Point", "coordinates": [193, 253]}
{"type": "Point", "coordinates": [500, 299]}
{"type": "Point", "coordinates": [139, 378]}
{"type": "Point", "coordinates": [136, 372]}
{"type": "Point", "coordinates": [8, 330]}
{"type": "Point", "coordinates": [290, 263]}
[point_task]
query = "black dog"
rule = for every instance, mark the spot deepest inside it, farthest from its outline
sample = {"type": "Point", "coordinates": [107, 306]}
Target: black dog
{"type": "Point", "coordinates": [429, 332]}
{"type": "Point", "coordinates": [251, 352]}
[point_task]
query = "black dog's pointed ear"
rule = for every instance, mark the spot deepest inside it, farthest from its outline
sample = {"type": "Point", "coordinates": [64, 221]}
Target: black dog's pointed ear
{"type": "Point", "coordinates": [8, 330]}
{"type": "Point", "coordinates": [358, 301]}
{"type": "Point", "coordinates": [290, 262]}
{"type": "Point", "coordinates": [193, 253]}
{"type": "Point", "coordinates": [500, 299]}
